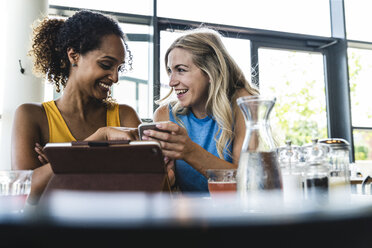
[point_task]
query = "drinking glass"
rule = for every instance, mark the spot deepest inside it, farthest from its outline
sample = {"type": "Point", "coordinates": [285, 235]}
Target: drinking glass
{"type": "Point", "coordinates": [221, 181]}
{"type": "Point", "coordinates": [15, 186]}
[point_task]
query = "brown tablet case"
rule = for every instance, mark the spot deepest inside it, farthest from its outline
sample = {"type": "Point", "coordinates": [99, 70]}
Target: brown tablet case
{"type": "Point", "coordinates": [107, 166]}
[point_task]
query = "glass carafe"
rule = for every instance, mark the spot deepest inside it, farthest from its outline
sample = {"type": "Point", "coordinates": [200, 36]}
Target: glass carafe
{"type": "Point", "coordinates": [258, 168]}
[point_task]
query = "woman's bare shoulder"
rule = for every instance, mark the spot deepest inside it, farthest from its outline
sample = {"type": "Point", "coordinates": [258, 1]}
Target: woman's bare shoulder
{"type": "Point", "coordinates": [128, 116]}
{"type": "Point", "coordinates": [162, 113]}
{"type": "Point", "coordinates": [31, 111]}
{"type": "Point", "coordinates": [30, 120]}
{"type": "Point", "coordinates": [125, 107]}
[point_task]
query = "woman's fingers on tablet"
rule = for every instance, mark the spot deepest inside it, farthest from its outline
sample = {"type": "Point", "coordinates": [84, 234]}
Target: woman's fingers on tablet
{"type": "Point", "coordinates": [41, 156]}
{"type": "Point", "coordinates": [122, 133]}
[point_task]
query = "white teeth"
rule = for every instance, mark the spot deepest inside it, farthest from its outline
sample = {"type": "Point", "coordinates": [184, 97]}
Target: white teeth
{"type": "Point", "coordinates": [181, 91]}
{"type": "Point", "coordinates": [104, 85]}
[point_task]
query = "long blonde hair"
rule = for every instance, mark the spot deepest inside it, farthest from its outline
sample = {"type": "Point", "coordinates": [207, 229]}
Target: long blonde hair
{"type": "Point", "coordinates": [210, 55]}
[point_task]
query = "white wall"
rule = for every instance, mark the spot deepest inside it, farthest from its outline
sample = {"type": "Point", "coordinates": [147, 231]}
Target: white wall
{"type": "Point", "coordinates": [17, 88]}
{"type": "Point", "coordinates": [2, 60]}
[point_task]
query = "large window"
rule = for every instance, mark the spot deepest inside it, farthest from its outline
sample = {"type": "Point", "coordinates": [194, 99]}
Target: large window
{"type": "Point", "coordinates": [360, 73]}
{"type": "Point", "coordinates": [288, 45]}
{"type": "Point", "coordinates": [141, 7]}
{"type": "Point", "coordinates": [297, 80]}
{"type": "Point", "coordinates": [358, 19]}
{"type": "Point", "coordinates": [306, 17]}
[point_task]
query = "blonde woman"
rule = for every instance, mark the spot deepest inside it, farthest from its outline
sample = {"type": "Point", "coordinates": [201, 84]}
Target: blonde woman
{"type": "Point", "coordinates": [206, 127]}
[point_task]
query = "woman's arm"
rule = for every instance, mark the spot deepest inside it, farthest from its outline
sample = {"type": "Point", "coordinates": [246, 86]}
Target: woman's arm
{"type": "Point", "coordinates": [26, 132]}
{"type": "Point", "coordinates": [29, 121]}
{"type": "Point", "coordinates": [178, 145]}
{"type": "Point", "coordinates": [128, 116]}
{"type": "Point", "coordinates": [162, 114]}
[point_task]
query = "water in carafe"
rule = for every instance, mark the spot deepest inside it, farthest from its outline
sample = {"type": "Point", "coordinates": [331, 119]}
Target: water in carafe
{"type": "Point", "coordinates": [258, 168]}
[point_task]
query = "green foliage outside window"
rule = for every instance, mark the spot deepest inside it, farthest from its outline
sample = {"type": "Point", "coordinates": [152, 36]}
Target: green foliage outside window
{"type": "Point", "coordinates": [362, 139]}
{"type": "Point", "coordinates": [297, 114]}
{"type": "Point", "coordinates": [361, 152]}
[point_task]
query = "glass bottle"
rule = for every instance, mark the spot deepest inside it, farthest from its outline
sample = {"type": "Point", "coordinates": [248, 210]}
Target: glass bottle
{"type": "Point", "coordinates": [258, 168]}
{"type": "Point", "coordinates": [339, 176]}
{"type": "Point", "coordinates": [338, 161]}
{"type": "Point", "coordinates": [317, 171]}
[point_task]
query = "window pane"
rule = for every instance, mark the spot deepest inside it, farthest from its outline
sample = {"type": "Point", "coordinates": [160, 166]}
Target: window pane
{"type": "Point", "coordinates": [297, 80]}
{"type": "Point", "coordinates": [140, 53]}
{"type": "Point", "coordinates": [136, 94]}
{"type": "Point", "coordinates": [142, 7]}
{"type": "Point", "coordinates": [358, 18]}
{"type": "Point", "coordinates": [166, 39]}
{"type": "Point", "coordinates": [306, 17]}
{"type": "Point", "coordinates": [144, 100]}
{"type": "Point", "coordinates": [239, 49]}
{"type": "Point", "coordinates": [362, 144]}
{"type": "Point", "coordinates": [133, 95]}
{"type": "Point", "coordinates": [48, 91]}
{"type": "Point", "coordinates": [360, 78]}
{"type": "Point", "coordinates": [125, 92]}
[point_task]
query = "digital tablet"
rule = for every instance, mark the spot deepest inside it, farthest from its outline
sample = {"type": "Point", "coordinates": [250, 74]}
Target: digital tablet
{"type": "Point", "coordinates": [105, 157]}
{"type": "Point", "coordinates": [107, 166]}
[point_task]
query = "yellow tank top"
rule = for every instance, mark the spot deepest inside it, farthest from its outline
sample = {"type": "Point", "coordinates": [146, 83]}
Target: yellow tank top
{"type": "Point", "coordinates": [58, 130]}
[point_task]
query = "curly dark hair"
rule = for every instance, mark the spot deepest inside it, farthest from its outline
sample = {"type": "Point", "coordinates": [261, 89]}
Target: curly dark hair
{"type": "Point", "coordinates": [82, 32]}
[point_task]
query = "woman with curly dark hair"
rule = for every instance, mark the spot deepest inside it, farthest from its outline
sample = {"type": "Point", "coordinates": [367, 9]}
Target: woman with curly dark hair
{"type": "Point", "coordinates": [84, 55]}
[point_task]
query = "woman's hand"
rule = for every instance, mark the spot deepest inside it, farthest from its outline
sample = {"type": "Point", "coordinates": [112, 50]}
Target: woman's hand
{"type": "Point", "coordinates": [114, 133]}
{"type": "Point", "coordinates": [170, 170]}
{"type": "Point", "coordinates": [175, 144]}
{"type": "Point", "coordinates": [41, 155]}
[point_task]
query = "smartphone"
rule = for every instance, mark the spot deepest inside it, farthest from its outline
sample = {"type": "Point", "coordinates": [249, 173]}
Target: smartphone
{"type": "Point", "coordinates": [145, 126]}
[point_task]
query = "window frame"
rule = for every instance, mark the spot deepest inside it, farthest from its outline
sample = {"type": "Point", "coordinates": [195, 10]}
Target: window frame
{"type": "Point", "coordinates": [334, 50]}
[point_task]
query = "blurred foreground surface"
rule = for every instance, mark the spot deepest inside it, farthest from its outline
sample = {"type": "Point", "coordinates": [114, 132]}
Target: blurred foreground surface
{"type": "Point", "coordinates": [102, 219]}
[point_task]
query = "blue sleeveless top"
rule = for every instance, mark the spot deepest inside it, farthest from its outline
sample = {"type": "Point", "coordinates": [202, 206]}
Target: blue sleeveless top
{"type": "Point", "coordinates": [202, 132]}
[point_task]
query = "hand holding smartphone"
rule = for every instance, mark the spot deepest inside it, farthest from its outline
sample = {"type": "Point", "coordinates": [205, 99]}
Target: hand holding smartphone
{"type": "Point", "coordinates": [145, 126]}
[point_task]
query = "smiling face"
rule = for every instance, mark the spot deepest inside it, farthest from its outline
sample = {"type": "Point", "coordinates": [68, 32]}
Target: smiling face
{"type": "Point", "coordinates": [98, 69]}
{"type": "Point", "coordinates": [189, 82]}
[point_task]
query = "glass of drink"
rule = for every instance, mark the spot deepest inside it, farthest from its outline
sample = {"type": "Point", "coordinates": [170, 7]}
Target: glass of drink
{"type": "Point", "coordinates": [221, 181]}
{"type": "Point", "coordinates": [15, 186]}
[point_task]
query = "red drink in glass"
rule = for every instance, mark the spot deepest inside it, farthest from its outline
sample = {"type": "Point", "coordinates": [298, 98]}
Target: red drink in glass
{"type": "Point", "coordinates": [221, 187]}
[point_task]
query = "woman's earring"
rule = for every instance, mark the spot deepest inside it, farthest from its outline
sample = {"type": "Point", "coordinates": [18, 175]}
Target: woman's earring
{"type": "Point", "coordinates": [73, 65]}
{"type": "Point", "coordinates": [109, 100]}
